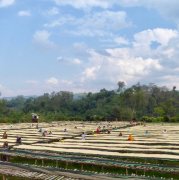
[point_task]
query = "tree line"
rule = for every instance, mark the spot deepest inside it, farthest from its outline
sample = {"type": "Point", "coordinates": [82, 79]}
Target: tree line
{"type": "Point", "coordinates": [149, 103]}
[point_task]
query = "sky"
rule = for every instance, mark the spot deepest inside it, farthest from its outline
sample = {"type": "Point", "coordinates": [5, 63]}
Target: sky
{"type": "Point", "coordinates": [86, 45]}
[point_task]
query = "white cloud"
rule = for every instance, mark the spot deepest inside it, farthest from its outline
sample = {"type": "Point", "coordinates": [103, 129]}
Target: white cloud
{"type": "Point", "coordinates": [131, 3]}
{"type": "Point", "coordinates": [86, 3]}
{"type": "Point", "coordinates": [53, 11]}
{"type": "Point", "coordinates": [59, 82]}
{"type": "Point", "coordinates": [138, 62]}
{"type": "Point", "coordinates": [5, 3]}
{"type": "Point", "coordinates": [66, 82]}
{"type": "Point", "coordinates": [168, 52]}
{"type": "Point", "coordinates": [43, 39]}
{"type": "Point", "coordinates": [162, 36]}
{"type": "Point", "coordinates": [61, 21]}
{"type": "Point", "coordinates": [121, 41]}
{"type": "Point", "coordinates": [176, 69]}
{"type": "Point", "coordinates": [119, 64]}
{"type": "Point", "coordinates": [53, 24]}
{"type": "Point", "coordinates": [76, 61]}
{"type": "Point", "coordinates": [93, 23]}
{"type": "Point", "coordinates": [169, 81]}
{"type": "Point", "coordinates": [60, 59]}
{"type": "Point", "coordinates": [24, 13]}
{"type": "Point", "coordinates": [108, 20]}
{"type": "Point", "coordinates": [80, 46]}
{"type": "Point", "coordinates": [90, 73]}
{"type": "Point", "coordinates": [54, 84]}
{"type": "Point", "coordinates": [52, 81]}
{"type": "Point", "coordinates": [33, 87]}
{"type": "Point", "coordinates": [168, 9]}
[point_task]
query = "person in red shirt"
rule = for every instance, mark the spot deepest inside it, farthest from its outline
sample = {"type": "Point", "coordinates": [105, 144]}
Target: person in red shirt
{"type": "Point", "coordinates": [97, 131]}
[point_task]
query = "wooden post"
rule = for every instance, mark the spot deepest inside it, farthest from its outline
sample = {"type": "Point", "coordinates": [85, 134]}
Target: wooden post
{"type": "Point", "coordinates": [66, 166]}
{"type": "Point", "coordinates": [102, 168]}
{"type": "Point", "coordinates": [35, 161]}
{"type": "Point", "coordinates": [81, 167]}
{"type": "Point", "coordinates": [4, 177]}
{"type": "Point", "coordinates": [126, 171]}
{"type": "Point", "coordinates": [56, 163]}
{"type": "Point", "coordinates": [42, 162]}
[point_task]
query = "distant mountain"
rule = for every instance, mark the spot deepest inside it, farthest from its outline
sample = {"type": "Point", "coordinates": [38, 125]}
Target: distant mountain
{"type": "Point", "coordinates": [76, 96]}
{"type": "Point", "coordinates": [13, 97]}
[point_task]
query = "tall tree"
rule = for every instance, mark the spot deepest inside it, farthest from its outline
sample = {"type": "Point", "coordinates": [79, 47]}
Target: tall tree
{"type": "Point", "coordinates": [121, 86]}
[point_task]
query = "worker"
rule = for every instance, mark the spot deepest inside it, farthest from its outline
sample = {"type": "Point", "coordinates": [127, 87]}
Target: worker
{"type": "Point", "coordinates": [4, 136]}
{"type": "Point", "coordinates": [44, 133]}
{"type": "Point", "coordinates": [5, 145]}
{"type": "Point", "coordinates": [130, 138]}
{"type": "Point", "coordinates": [97, 131]}
{"type": "Point", "coordinates": [18, 140]}
{"type": "Point", "coordinates": [108, 131]}
{"type": "Point", "coordinates": [120, 134]}
{"type": "Point", "coordinates": [83, 136]}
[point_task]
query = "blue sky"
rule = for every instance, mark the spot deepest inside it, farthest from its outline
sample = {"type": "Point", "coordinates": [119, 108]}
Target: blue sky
{"type": "Point", "coordinates": [87, 45]}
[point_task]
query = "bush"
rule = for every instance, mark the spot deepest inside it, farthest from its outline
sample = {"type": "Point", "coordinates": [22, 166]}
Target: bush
{"type": "Point", "coordinates": [152, 119]}
{"type": "Point", "coordinates": [166, 119]}
{"type": "Point", "coordinates": [174, 119]}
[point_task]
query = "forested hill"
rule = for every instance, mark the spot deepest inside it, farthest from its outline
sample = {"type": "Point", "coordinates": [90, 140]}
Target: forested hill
{"type": "Point", "coordinates": [148, 102]}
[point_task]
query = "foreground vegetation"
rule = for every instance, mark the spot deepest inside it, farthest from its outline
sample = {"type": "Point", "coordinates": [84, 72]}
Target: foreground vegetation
{"type": "Point", "coordinates": [150, 103]}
